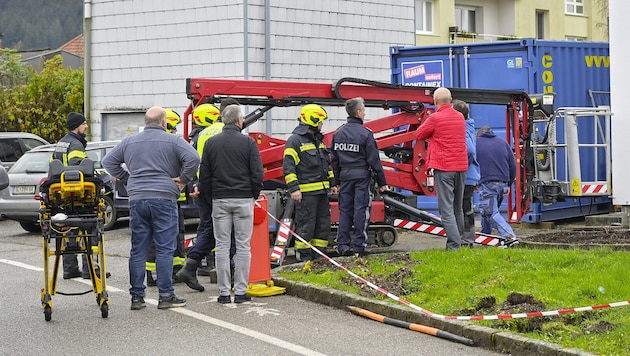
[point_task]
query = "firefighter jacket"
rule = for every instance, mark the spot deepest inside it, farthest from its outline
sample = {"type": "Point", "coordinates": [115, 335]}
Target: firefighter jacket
{"type": "Point", "coordinates": [70, 150]}
{"type": "Point", "coordinates": [208, 132]}
{"type": "Point", "coordinates": [306, 162]}
{"type": "Point", "coordinates": [355, 153]}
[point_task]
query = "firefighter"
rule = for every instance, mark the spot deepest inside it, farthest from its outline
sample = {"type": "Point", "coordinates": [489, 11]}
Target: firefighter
{"type": "Point", "coordinates": [208, 115]}
{"type": "Point", "coordinates": [172, 120]}
{"type": "Point", "coordinates": [308, 175]}
{"type": "Point", "coordinates": [70, 150]}
{"type": "Point", "coordinates": [355, 159]}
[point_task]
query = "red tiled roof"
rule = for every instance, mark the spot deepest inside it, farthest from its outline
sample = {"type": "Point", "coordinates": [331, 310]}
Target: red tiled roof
{"type": "Point", "coordinates": [74, 46]}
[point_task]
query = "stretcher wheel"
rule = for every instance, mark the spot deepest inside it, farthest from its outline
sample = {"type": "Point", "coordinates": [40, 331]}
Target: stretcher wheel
{"type": "Point", "coordinates": [48, 313]}
{"type": "Point", "coordinates": [104, 310]}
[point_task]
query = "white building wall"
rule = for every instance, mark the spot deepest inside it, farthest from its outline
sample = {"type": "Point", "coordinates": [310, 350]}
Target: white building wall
{"type": "Point", "coordinates": [142, 51]}
{"type": "Point", "coordinates": [620, 121]}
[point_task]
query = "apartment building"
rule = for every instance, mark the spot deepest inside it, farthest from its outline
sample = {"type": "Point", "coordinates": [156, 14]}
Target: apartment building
{"type": "Point", "coordinates": [462, 21]}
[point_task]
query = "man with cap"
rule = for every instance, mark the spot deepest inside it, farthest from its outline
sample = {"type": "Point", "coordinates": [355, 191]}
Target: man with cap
{"type": "Point", "coordinates": [71, 151]}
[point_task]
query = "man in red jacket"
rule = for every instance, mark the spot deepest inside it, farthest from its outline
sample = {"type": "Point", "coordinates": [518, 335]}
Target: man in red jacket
{"type": "Point", "coordinates": [445, 130]}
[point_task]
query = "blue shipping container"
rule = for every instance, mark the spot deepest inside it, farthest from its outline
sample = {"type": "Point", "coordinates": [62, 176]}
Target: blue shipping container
{"type": "Point", "coordinates": [578, 72]}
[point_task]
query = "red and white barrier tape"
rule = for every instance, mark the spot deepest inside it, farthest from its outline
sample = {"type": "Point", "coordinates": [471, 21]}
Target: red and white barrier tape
{"type": "Point", "coordinates": [482, 239]}
{"type": "Point", "coordinates": [440, 316]}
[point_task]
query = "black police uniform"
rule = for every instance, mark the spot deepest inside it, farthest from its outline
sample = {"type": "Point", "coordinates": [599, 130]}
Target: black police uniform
{"type": "Point", "coordinates": [355, 157]}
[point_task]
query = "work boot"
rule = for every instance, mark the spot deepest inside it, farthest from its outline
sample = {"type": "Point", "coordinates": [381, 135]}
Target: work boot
{"type": "Point", "coordinates": [70, 267]}
{"type": "Point", "coordinates": [150, 280]}
{"type": "Point", "coordinates": [209, 266]}
{"type": "Point", "coordinates": [188, 274]}
{"type": "Point", "coordinates": [175, 270]}
{"type": "Point", "coordinates": [303, 255]}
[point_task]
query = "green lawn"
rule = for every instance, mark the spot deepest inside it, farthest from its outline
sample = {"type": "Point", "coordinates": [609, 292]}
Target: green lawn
{"type": "Point", "coordinates": [488, 281]}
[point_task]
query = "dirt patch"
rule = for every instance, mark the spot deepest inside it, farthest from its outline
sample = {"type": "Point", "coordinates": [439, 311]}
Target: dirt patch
{"type": "Point", "coordinates": [600, 236]}
{"type": "Point", "coordinates": [600, 327]}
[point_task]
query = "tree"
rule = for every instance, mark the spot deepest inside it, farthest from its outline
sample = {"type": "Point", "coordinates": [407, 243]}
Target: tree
{"type": "Point", "coordinates": [41, 103]}
{"type": "Point", "coordinates": [13, 72]}
{"type": "Point", "coordinates": [602, 9]}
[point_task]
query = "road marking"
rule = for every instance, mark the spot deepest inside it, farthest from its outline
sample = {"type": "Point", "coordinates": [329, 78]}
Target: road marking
{"type": "Point", "coordinates": [207, 319]}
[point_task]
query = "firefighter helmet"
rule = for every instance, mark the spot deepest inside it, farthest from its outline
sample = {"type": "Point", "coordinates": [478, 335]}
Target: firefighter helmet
{"type": "Point", "coordinates": [205, 114]}
{"type": "Point", "coordinates": [172, 120]}
{"type": "Point", "coordinates": [312, 114]}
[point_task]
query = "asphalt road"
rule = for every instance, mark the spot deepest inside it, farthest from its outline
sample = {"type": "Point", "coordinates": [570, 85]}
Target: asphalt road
{"type": "Point", "coordinates": [279, 325]}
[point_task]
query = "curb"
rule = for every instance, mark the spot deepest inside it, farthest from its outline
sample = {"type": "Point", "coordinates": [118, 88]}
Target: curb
{"type": "Point", "coordinates": [482, 336]}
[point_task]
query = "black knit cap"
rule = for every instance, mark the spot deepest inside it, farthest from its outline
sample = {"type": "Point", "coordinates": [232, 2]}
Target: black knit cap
{"type": "Point", "coordinates": [74, 120]}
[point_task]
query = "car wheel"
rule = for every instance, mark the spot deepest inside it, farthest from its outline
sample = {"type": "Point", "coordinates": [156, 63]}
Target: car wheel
{"type": "Point", "coordinates": [31, 226]}
{"type": "Point", "coordinates": [110, 214]}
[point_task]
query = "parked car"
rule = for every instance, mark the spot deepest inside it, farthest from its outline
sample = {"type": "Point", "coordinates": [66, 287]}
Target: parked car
{"type": "Point", "coordinates": [14, 144]}
{"type": "Point", "coordinates": [19, 200]}
{"type": "Point", "coordinates": [4, 178]}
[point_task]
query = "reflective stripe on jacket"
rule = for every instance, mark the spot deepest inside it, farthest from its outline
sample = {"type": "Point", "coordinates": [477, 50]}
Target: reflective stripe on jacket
{"type": "Point", "coordinates": [306, 163]}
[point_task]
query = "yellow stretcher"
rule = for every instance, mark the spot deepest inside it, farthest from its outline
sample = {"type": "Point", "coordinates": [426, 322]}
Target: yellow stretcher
{"type": "Point", "coordinates": [71, 217]}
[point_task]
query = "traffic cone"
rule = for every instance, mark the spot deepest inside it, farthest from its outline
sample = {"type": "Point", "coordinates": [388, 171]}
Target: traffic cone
{"type": "Point", "coordinates": [260, 267]}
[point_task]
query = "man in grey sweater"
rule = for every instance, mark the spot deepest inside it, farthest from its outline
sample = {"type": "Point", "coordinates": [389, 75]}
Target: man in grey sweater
{"type": "Point", "coordinates": [159, 165]}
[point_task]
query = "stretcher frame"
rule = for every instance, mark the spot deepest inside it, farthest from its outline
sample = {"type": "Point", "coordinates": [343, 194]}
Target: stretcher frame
{"type": "Point", "coordinates": [72, 208]}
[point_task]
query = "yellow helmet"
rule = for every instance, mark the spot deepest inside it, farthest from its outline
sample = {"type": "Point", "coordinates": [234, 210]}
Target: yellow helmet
{"type": "Point", "coordinates": [172, 120]}
{"type": "Point", "coordinates": [312, 114]}
{"type": "Point", "coordinates": [205, 114]}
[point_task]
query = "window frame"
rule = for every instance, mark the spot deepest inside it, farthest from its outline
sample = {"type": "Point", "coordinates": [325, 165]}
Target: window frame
{"type": "Point", "coordinates": [571, 7]}
{"type": "Point", "coordinates": [427, 24]}
{"type": "Point", "coordinates": [466, 16]}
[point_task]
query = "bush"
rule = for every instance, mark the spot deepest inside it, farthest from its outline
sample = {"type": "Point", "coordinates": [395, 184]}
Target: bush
{"type": "Point", "coordinates": [38, 102]}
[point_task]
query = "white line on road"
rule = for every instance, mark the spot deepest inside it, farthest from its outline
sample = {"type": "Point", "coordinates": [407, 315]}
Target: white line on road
{"type": "Point", "coordinates": [207, 319]}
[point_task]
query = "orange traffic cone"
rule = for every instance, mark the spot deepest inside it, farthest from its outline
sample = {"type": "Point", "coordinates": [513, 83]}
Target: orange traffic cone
{"type": "Point", "coordinates": [260, 267]}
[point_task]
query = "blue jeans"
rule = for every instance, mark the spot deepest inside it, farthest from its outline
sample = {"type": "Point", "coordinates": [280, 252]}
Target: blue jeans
{"type": "Point", "coordinates": [152, 220]}
{"type": "Point", "coordinates": [237, 213]}
{"type": "Point", "coordinates": [450, 194]}
{"type": "Point", "coordinates": [490, 198]}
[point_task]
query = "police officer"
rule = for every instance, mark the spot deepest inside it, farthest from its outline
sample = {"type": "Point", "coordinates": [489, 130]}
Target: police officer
{"type": "Point", "coordinates": [70, 150]}
{"type": "Point", "coordinates": [355, 158]}
{"type": "Point", "coordinates": [307, 173]}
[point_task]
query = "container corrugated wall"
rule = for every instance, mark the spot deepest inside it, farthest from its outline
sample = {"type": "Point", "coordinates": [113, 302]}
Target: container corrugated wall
{"type": "Point", "coordinates": [578, 72]}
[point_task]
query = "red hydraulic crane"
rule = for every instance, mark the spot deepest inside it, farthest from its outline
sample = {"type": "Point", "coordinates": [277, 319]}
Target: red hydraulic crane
{"type": "Point", "coordinates": [405, 165]}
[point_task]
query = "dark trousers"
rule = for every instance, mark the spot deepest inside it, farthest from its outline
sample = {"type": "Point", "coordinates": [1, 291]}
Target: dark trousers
{"type": "Point", "coordinates": [468, 238]}
{"type": "Point", "coordinates": [312, 220]}
{"type": "Point", "coordinates": [354, 214]}
{"type": "Point", "coordinates": [204, 242]}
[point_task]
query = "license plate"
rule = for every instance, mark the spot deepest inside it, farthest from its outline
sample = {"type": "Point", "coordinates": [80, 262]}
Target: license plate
{"type": "Point", "coordinates": [25, 189]}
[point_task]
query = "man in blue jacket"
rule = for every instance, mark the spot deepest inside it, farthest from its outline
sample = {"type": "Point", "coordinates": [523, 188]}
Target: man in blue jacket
{"type": "Point", "coordinates": [498, 171]}
{"type": "Point", "coordinates": [159, 165]}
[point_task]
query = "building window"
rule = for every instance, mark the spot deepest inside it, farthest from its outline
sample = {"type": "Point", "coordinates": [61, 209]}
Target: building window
{"type": "Point", "coordinates": [577, 39]}
{"type": "Point", "coordinates": [540, 24]}
{"type": "Point", "coordinates": [574, 7]}
{"type": "Point", "coordinates": [424, 16]}
{"type": "Point", "coordinates": [466, 18]}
